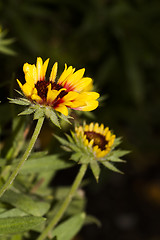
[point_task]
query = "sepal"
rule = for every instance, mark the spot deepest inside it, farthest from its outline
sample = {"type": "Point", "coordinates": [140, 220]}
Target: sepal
{"type": "Point", "coordinates": [20, 101]}
{"type": "Point", "coordinates": [111, 167]}
{"type": "Point", "coordinates": [95, 169]}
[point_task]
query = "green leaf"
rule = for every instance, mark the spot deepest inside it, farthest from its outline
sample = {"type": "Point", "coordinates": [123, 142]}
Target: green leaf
{"type": "Point", "coordinates": [120, 153]}
{"type": "Point", "coordinates": [44, 164]}
{"type": "Point", "coordinates": [67, 149]}
{"type": "Point", "coordinates": [68, 229]}
{"type": "Point", "coordinates": [38, 154]}
{"type": "Point", "coordinates": [19, 101]}
{"type": "Point", "coordinates": [15, 225]}
{"type": "Point", "coordinates": [38, 113]}
{"type": "Point", "coordinates": [7, 50]}
{"type": "Point", "coordinates": [65, 118]}
{"type": "Point", "coordinates": [54, 119]}
{"type": "Point", "coordinates": [27, 111]}
{"type": "Point", "coordinates": [52, 116]}
{"type": "Point", "coordinates": [14, 212]}
{"type": "Point", "coordinates": [91, 219]}
{"type": "Point", "coordinates": [115, 159]}
{"type": "Point", "coordinates": [85, 159]}
{"type": "Point", "coordinates": [62, 140]}
{"type": "Point", "coordinates": [95, 169]}
{"type": "Point", "coordinates": [111, 167]}
{"type": "Point", "coordinates": [25, 203]}
{"type": "Point", "coordinates": [20, 93]}
{"type": "Point", "coordinates": [70, 139]}
{"type": "Point", "coordinates": [117, 141]}
{"type": "Point", "coordinates": [76, 156]}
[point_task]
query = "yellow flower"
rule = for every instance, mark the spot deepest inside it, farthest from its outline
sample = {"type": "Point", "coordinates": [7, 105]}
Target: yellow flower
{"type": "Point", "coordinates": [94, 144]}
{"type": "Point", "coordinates": [72, 90]}
{"type": "Point", "coordinates": [97, 138]}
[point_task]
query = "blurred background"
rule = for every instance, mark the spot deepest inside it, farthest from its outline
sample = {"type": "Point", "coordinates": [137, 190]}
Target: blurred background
{"type": "Point", "coordinates": [118, 42]}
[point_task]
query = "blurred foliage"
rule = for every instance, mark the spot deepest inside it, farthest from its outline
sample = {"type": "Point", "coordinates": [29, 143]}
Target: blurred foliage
{"type": "Point", "coordinates": [118, 42]}
{"type": "Point", "coordinates": [5, 42]}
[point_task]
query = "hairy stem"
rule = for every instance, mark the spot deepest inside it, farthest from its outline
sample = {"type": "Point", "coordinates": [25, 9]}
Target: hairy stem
{"type": "Point", "coordinates": [65, 204]}
{"type": "Point", "coordinates": [24, 157]}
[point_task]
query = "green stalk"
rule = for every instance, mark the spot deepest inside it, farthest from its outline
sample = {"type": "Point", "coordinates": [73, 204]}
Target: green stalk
{"type": "Point", "coordinates": [24, 157]}
{"type": "Point", "coordinates": [65, 204]}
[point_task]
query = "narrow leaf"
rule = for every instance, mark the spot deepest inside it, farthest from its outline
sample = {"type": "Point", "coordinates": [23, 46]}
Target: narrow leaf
{"type": "Point", "coordinates": [38, 114]}
{"type": "Point", "coordinates": [25, 203]}
{"type": "Point", "coordinates": [91, 219]}
{"type": "Point", "coordinates": [52, 116]}
{"type": "Point", "coordinates": [95, 169]}
{"type": "Point", "coordinates": [19, 102]}
{"type": "Point", "coordinates": [62, 140]}
{"type": "Point", "coordinates": [15, 225]}
{"type": "Point", "coordinates": [26, 112]}
{"type": "Point", "coordinates": [54, 119]}
{"type": "Point", "coordinates": [65, 118]}
{"type": "Point", "coordinates": [111, 167]}
{"type": "Point", "coordinates": [45, 164]}
{"type": "Point", "coordinates": [14, 212]}
{"type": "Point", "coordinates": [68, 229]}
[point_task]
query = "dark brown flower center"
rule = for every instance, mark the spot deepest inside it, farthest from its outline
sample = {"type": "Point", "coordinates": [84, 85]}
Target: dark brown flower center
{"type": "Point", "coordinates": [42, 89]}
{"type": "Point", "coordinates": [98, 139]}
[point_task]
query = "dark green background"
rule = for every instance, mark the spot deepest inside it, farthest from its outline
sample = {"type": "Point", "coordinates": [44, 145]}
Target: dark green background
{"type": "Point", "coordinates": [118, 42]}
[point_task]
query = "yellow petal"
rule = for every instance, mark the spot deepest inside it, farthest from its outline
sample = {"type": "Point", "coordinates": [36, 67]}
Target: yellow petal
{"type": "Point", "coordinates": [108, 135]}
{"type": "Point", "coordinates": [89, 87]}
{"type": "Point", "coordinates": [63, 109]}
{"type": "Point", "coordinates": [90, 95]}
{"type": "Point", "coordinates": [90, 106]}
{"type": "Point", "coordinates": [86, 128]}
{"type": "Point", "coordinates": [51, 94]}
{"type": "Point", "coordinates": [36, 98]}
{"type": "Point", "coordinates": [101, 128]}
{"type": "Point", "coordinates": [91, 143]}
{"type": "Point", "coordinates": [105, 131]}
{"type": "Point", "coordinates": [39, 68]}
{"type": "Point", "coordinates": [65, 74]}
{"type": "Point", "coordinates": [53, 72]}
{"type": "Point", "coordinates": [73, 79]}
{"type": "Point", "coordinates": [69, 99]}
{"type": "Point", "coordinates": [96, 128]}
{"type": "Point", "coordinates": [102, 153]}
{"type": "Point", "coordinates": [30, 74]}
{"type": "Point", "coordinates": [81, 84]}
{"type": "Point", "coordinates": [91, 127]}
{"type": "Point", "coordinates": [26, 88]}
{"type": "Point", "coordinates": [44, 68]}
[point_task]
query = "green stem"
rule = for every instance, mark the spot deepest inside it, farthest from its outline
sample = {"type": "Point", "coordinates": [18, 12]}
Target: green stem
{"type": "Point", "coordinates": [24, 157]}
{"type": "Point", "coordinates": [65, 204]}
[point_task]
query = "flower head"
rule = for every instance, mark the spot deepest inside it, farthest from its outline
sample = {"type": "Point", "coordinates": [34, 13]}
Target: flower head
{"type": "Point", "coordinates": [70, 91]}
{"type": "Point", "coordinates": [93, 144]}
{"type": "Point", "coordinates": [97, 139]}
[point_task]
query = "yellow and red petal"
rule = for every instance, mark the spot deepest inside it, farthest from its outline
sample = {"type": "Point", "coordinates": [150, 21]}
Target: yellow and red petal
{"type": "Point", "coordinates": [52, 94]}
{"type": "Point", "coordinates": [66, 73]}
{"type": "Point", "coordinates": [72, 83]}
{"type": "Point", "coordinates": [39, 68]}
